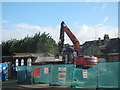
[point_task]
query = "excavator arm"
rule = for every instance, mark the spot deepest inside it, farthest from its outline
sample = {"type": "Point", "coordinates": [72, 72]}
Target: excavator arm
{"type": "Point", "coordinates": [72, 37]}
{"type": "Point", "coordinates": [61, 40]}
{"type": "Point", "coordinates": [78, 60]}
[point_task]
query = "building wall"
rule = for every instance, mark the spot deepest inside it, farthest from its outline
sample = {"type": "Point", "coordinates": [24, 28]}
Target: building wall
{"type": "Point", "coordinates": [101, 47]}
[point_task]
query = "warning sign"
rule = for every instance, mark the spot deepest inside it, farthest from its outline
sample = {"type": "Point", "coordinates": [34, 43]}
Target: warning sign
{"type": "Point", "coordinates": [36, 72]}
{"type": "Point", "coordinates": [85, 74]}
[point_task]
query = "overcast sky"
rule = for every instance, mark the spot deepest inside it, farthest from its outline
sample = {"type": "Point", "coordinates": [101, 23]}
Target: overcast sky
{"type": "Point", "coordinates": [87, 20]}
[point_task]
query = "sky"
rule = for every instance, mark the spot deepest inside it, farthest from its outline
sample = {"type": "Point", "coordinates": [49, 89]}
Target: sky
{"type": "Point", "coordinates": [87, 20]}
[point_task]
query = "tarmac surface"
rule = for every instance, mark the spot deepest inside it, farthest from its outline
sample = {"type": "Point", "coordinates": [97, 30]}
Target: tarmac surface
{"type": "Point", "coordinates": [13, 85]}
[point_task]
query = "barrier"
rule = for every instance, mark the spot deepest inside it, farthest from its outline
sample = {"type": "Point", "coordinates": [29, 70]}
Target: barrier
{"type": "Point", "coordinates": [108, 75]}
{"type": "Point", "coordinates": [22, 74]}
{"type": "Point", "coordinates": [3, 71]}
{"type": "Point", "coordinates": [102, 75]}
{"type": "Point", "coordinates": [85, 77]}
{"type": "Point", "coordinates": [0, 71]}
{"type": "Point", "coordinates": [42, 74]}
{"type": "Point", "coordinates": [25, 74]}
{"type": "Point", "coordinates": [62, 74]}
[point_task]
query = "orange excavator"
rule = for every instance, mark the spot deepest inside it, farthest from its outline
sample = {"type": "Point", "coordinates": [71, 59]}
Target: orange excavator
{"type": "Point", "coordinates": [69, 55]}
{"type": "Point", "coordinates": [80, 61]}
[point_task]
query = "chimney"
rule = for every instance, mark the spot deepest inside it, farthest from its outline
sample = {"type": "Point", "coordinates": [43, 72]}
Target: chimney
{"type": "Point", "coordinates": [99, 41]}
{"type": "Point", "coordinates": [106, 37]}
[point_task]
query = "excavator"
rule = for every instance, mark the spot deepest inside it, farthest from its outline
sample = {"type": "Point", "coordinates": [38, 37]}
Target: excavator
{"type": "Point", "coordinates": [78, 59]}
{"type": "Point", "coordinates": [70, 56]}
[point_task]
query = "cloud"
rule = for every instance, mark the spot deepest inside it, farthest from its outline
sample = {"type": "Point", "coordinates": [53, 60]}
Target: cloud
{"type": "Point", "coordinates": [87, 33]}
{"type": "Point", "coordinates": [4, 21]}
{"type": "Point", "coordinates": [21, 30]}
{"type": "Point", "coordinates": [83, 33]}
{"type": "Point", "coordinates": [103, 6]}
{"type": "Point", "coordinates": [105, 19]}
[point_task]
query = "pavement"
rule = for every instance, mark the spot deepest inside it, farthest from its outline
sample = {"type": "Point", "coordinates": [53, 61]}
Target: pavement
{"type": "Point", "coordinates": [14, 85]}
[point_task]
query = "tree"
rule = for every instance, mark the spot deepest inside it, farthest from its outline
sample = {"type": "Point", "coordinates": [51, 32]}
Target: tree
{"type": "Point", "coordinates": [39, 43]}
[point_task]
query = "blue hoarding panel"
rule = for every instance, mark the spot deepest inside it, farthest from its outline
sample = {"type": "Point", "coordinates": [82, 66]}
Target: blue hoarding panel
{"type": "Point", "coordinates": [3, 71]}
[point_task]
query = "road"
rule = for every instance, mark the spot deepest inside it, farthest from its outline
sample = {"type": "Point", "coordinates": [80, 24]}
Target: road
{"type": "Point", "coordinates": [13, 85]}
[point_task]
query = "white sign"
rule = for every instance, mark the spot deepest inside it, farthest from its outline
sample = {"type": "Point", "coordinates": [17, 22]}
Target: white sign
{"type": "Point", "coordinates": [46, 70]}
{"type": "Point", "coordinates": [61, 75]}
{"type": "Point", "coordinates": [85, 74]}
{"type": "Point", "coordinates": [61, 69]}
{"type": "Point", "coordinates": [61, 80]}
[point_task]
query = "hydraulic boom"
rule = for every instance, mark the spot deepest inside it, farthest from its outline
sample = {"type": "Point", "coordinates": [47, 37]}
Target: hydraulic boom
{"type": "Point", "coordinates": [78, 59]}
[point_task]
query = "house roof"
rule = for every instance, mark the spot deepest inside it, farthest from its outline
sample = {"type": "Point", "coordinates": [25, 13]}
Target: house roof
{"type": "Point", "coordinates": [88, 43]}
{"type": "Point", "coordinates": [32, 55]}
{"type": "Point", "coordinates": [112, 45]}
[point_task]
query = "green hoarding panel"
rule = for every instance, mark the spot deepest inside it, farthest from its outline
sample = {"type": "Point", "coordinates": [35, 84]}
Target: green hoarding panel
{"type": "Point", "coordinates": [25, 74]}
{"type": "Point", "coordinates": [54, 74]}
{"type": "Point", "coordinates": [108, 75]}
{"type": "Point", "coordinates": [62, 74]}
{"type": "Point", "coordinates": [103, 75]}
{"type": "Point", "coordinates": [42, 74]}
{"type": "Point", "coordinates": [46, 74]}
{"type": "Point", "coordinates": [69, 75]}
{"type": "Point", "coordinates": [85, 77]}
{"type": "Point", "coordinates": [29, 74]}
{"type": "Point", "coordinates": [119, 75]}
{"type": "Point", "coordinates": [22, 74]}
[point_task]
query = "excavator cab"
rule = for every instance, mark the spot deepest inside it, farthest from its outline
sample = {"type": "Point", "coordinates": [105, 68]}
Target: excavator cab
{"type": "Point", "coordinates": [68, 54]}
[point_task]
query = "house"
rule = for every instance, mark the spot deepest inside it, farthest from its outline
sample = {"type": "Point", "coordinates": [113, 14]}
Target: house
{"type": "Point", "coordinates": [101, 47]}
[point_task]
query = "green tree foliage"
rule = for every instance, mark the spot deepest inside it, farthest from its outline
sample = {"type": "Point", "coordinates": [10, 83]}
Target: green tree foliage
{"type": "Point", "coordinates": [39, 43]}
